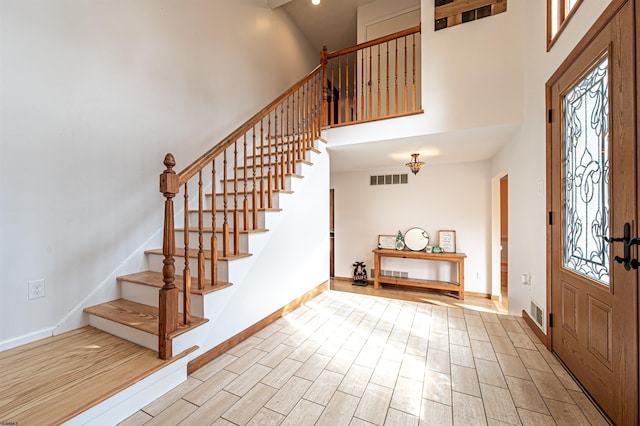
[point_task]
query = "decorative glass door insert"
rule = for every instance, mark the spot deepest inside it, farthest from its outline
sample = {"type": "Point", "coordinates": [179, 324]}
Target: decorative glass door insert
{"type": "Point", "coordinates": [586, 174]}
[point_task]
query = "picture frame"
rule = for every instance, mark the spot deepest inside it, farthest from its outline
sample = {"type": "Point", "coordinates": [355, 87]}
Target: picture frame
{"type": "Point", "coordinates": [387, 242]}
{"type": "Point", "coordinates": [447, 240]}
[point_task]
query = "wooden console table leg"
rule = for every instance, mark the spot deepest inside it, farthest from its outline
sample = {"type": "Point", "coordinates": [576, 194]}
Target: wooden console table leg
{"type": "Point", "coordinates": [376, 270]}
{"type": "Point", "coordinates": [461, 279]}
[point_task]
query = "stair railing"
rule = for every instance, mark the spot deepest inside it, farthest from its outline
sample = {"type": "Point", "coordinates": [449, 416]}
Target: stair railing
{"type": "Point", "coordinates": [243, 171]}
{"type": "Point", "coordinates": [374, 80]}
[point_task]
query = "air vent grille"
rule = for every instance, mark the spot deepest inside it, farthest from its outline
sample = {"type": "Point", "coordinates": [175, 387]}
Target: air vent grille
{"type": "Point", "coordinates": [389, 179]}
{"type": "Point", "coordinates": [537, 313]}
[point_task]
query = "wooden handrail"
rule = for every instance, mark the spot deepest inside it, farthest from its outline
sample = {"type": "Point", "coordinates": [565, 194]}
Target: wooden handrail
{"type": "Point", "coordinates": [379, 40]}
{"type": "Point", "coordinates": [204, 159]}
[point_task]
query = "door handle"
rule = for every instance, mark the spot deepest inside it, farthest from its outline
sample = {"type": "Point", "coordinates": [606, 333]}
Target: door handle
{"type": "Point", "coordinates": [628, 242]}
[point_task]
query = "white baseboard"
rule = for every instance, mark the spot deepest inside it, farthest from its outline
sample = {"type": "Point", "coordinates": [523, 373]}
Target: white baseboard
{"type": "Point", "coordinates": [27, 338]}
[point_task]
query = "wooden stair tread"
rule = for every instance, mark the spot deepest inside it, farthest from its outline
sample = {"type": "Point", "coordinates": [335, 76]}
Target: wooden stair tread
{"type": "Point", "coordinates": [53, 380]}
{"type": "Point", "coordinates": [193, 254]}
{"type": "Point", "coordinates": [139, 316]}
{"type": "Point", "coordinates": [231, 230]}
{"type": "Point", "coordinates": [155, 279]}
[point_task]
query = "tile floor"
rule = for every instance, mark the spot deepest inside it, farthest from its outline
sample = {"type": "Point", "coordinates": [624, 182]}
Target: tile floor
{"type": "Point", "coordinates": [351, 359]}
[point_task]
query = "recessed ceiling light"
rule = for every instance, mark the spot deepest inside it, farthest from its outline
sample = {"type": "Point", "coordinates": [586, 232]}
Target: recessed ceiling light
{"type": "Point", "coordinates": [315, 2]}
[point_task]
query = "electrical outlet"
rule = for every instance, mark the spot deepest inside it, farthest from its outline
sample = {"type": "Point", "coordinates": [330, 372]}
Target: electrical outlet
{"type": "Point", "coordinates": [36, 289]}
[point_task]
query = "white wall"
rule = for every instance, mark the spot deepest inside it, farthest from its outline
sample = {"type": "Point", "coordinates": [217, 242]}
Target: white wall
{"type": "Point", "coordinates": [92, 95]}
{"type": "Point", "coordinates": [446, 196]}
{"type": "Point", "coordinates": [524, 157]}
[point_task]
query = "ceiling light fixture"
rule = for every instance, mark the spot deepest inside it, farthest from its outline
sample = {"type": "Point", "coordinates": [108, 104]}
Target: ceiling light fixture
{"type": "Point", "coordinates": [315, 2]}
{"type": "Point", "coordinates": [414, 165]}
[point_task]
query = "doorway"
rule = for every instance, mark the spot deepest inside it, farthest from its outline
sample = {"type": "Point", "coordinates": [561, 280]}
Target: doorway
{"type": "Point", "coordinates": [592, 174]}
{"type": "Point", "coordinates": [504, 242]}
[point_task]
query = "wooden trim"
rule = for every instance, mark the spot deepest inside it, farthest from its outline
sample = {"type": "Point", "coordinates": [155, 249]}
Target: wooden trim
{"type": "Point", "coordinates": [564, 21]}
{"type": "Point", "coordinates": [479, 295]}
{"type": "Point", "coordinates": [544, 338]}
{"type": "Point", "coordinates": [379, 40]}
{"type": "Point", "coordinates": [608, 14]}
{"type": "Point", "coordinates": [371, 120]}
{"type": "Point", "coordinates": [213, 353]}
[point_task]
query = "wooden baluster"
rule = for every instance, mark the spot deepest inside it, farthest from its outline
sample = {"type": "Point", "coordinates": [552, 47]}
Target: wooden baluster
{"type": "Point", "coordinates": [340, 100]}
{"type": "Point", "coordinates": [346, 93]}
{"type": "Point", "coordinates": [186, 274]}
{"type": "Point", "coordinates": [245, 176]}
{"type": "Point", "coordinates": [300, 118]}
{"type": "Point", "coordinates": [354, 103]}
{"type": "Point", "coordinates": [214, 235]}
{"type": "Point", "coordinates": [254, 199]}
{"type": "Point", "coordinates": [290, 146]}
{"type": "Point", "coordinates": [168, 295]}
{"type": "Point", "coordinates": [236, 212]}
{"type": "Point", "coordinates": [201, 261]}
{"type": "Point", "coordinates": [413, 87]}
{"type": "Point", "coordinates": [325, 88]}
{"type": "Point", "coordinates": [379, 102]}
{"type": "Point", "coordinates": [332, 107]}
{"type": "Point", "coordinates": [294, 130]}
{"type": "Point", "coordinates": [370, 83]}
{"type": "Point", "coordinates": [362, 103]}
{"type": "Point", "coordinates": [262, 174]}
{"type": "Point", "coordinates": [270, 175]}
{"type": "Point", "coordinates": [406, 94]}
{"type": "Point", "coordinates": [395, 102]}
{"type": "Point", "coordinates": [275, 147]}
{"type": "Point", "coordinates": [225, 210]}
{"type": "Point", "coordinates": [387, 111]}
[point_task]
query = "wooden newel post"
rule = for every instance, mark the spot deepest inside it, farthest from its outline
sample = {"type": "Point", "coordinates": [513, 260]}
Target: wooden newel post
{"type": "Point", "coordinates": [168, 302]}
{"type": "Point", "coordinates": [325, 88]}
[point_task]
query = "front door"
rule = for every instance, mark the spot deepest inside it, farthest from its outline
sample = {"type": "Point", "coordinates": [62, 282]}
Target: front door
{"type": "Point", "coordinates": [592, 147]}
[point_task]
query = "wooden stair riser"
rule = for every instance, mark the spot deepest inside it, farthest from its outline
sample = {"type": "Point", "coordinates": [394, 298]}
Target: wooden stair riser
{"type": "Point", "coordinates": [155, 264]}
{"type": "Point", "coordinates": [149, 296]}
{"type": "Point", "coordinates": [193, 218]}
{"type": "Point", "coordinates": [194, 240]}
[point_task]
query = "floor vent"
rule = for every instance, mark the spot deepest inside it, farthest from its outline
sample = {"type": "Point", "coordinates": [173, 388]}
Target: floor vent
{"type": "Point", "coordinates": [537, 313]}
{"type": "Point", "coordinates": [389, 179]}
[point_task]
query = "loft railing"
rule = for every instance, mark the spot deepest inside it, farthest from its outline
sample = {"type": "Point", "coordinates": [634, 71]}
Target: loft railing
{"type": "Point", "coordinates": [374, 80]}
{"type": "Point", "coordinates": [224, 190]}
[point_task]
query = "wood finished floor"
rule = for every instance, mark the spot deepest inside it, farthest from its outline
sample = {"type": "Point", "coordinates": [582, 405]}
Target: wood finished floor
{"type": "Point", "coordinates": [54, 379]}
{"type": "Point", "coordinates": [353, 359]}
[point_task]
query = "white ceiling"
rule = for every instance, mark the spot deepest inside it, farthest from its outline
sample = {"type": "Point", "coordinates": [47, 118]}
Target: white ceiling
{"type": "Point", "coordinates": [441, 148]}
{"type": "Point", "coordinates": [332, 22]}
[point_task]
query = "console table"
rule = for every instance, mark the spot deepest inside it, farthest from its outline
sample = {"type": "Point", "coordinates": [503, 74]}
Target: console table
{"type": "Point", "coordinates": [457, 258]}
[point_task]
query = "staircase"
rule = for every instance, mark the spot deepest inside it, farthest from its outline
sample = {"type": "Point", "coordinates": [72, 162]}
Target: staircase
{"type": "Point", "coordinates": [135, 316]}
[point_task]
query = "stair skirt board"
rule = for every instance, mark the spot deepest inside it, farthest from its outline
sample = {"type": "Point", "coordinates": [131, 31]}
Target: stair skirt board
{"type": "Point", "coordinates": [130, 400]}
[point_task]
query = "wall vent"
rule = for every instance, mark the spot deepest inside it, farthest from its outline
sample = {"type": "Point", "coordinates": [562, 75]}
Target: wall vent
{"type": "Point", "coordinates": [537, 313]}
{"type": "Point", "coordinates": [389, 179]}
{"type": "Point", "coordinates": [389, 273]}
